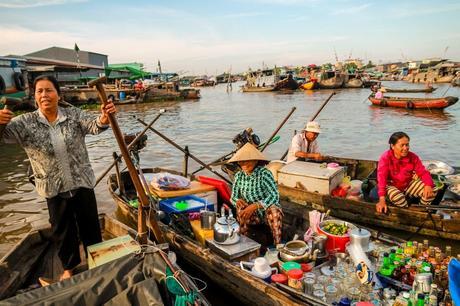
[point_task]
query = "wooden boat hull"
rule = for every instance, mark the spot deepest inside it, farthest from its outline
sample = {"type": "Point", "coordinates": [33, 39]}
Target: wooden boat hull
{"type": "Point", "coordinates": [354, 83]}
{"type": "Point", "coordinates": [36, 256]}
{"type": "Point", "coordinates": [427, 90]}
{"type": "Point", "coordinates": [415, 220]}
{"type": "Point", "coordinates": [332, 83]}
{"type": "Point", "coordinates": [257, 89]}
{"type": "Point", "coordinates": [415, 103]}
{"type": "Point", "coordinates": [248, 289]}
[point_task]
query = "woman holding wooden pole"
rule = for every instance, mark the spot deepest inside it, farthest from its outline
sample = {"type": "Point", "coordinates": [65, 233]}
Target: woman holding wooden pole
{"type": "Point", "coordinates": [54, 140]}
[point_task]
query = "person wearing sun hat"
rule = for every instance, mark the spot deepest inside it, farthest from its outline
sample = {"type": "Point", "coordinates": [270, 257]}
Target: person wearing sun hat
{"type": "Point", "coordinates": [254, 193]}
{"type": "Point", "coordinates": [304, 145]}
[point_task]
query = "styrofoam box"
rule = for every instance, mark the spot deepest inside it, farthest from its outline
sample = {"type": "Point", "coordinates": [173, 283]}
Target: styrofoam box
{"type": "Point", "coordinates": [311, 176]}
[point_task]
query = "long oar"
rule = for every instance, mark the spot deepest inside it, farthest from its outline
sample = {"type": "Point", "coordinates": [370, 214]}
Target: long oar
{"type": "Point", "coordinates": [185, 151]}
{"type": "Point", "coordinates": [277, 129]}
{"type": "Point", "coordinates": [261, 147]}
{"type": "Point", "coordinates": [313, 118]}
{"type": "Point", "coordinates": [131, 144]}
{"type": "Point", "coordinates": [145, 203]}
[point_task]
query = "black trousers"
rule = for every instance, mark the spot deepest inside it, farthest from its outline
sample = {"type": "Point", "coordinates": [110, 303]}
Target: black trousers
{"type": "Point", "coordinates": [74, 219]}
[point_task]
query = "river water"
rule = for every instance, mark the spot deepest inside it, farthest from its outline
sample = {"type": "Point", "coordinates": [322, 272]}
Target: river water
{"type": "Point", "coordinates": [351, 127]}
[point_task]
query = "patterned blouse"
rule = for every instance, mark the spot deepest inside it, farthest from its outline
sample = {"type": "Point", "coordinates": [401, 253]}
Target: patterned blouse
{"type": "Point", "coordinates": [258, 187]}
{"type": "Point", "coordinates": [57, 152]}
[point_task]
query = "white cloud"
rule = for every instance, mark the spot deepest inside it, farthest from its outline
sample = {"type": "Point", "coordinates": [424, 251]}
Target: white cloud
{"type": "Point", "coordinates": [351, 10]}
{"type": "Point", "coordinates": [34, 3]}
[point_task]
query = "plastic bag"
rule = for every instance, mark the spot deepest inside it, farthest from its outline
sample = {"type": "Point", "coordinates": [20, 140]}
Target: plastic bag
{"type": "Point", "coordinates": [168, 181]}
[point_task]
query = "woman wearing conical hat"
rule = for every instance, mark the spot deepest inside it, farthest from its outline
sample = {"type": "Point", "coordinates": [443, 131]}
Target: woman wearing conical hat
{"type": "Point", "coordinates": [255, 193]}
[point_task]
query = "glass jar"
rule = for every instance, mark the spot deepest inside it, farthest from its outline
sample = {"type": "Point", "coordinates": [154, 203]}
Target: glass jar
{"type": "Point", "coordinates": [323, 279]}
{"type": "Point", "coordinates": [308, 284]}
{"type": "Point", "coordinates": [310, 275]}
{"type": "Point", "coordinates": [318, 286]}
{"type": "Point", "coordinates": [320, 295]}
{"type": "Point", "coordinates": [331, 294]}
{"type": "Point", "coordinates": [353, 294]}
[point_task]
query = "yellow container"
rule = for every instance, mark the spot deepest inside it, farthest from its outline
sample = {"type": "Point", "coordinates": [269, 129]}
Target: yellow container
{"type": "Point", "coordinates": [201, 234]}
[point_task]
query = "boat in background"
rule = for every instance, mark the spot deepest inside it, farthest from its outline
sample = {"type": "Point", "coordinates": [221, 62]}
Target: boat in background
{"type": "Point", "coordinates": [257, 88]}
{"type": "Point", "coordinates": [13, 77]}
{"type": "Point", "coordinates": [331, 80]}
{"type": "Point", "coordinates": [414, 103]}
{"type": "Point", "coordinates": [353, 81]}
{"type": "Point", "coordinates": [427, 90]}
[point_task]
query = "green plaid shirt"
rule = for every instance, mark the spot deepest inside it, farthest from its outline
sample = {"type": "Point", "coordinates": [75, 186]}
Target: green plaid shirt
{"type": "Point", "coordinates": [258, 187]}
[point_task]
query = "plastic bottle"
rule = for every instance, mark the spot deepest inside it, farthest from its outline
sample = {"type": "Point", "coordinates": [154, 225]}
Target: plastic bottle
{"type": "Point", "coordinates": [406, 296]}
{"type": "Point", "coordinates": [433, 297]}
{"type": "Point", "coordinates": [447, 298]}
{"type": "Point", "coordinates": [420, 300]}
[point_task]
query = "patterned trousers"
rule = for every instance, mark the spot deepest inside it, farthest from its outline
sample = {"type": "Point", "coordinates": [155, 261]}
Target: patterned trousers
{"type": "Point", "coordinates": [414, 190]}
{"type": "Point", "coordinates": [273, 216]}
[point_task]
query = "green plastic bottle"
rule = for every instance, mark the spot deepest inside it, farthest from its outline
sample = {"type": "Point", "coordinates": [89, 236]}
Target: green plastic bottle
{"type": "Point", "coordinates": [420, 299]}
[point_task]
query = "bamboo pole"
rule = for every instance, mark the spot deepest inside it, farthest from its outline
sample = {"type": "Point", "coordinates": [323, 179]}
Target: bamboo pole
{"type": "Point", "coordinates": [185, 152]}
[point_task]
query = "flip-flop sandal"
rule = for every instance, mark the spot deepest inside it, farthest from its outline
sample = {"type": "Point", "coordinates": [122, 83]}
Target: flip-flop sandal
{"type": "Point", "coordinates": [44, 281]}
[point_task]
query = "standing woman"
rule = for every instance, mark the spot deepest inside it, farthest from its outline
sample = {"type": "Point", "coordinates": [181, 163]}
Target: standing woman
{"type": "Point", "coordinates": [401, 174]}
{"type": "Point", "coordinates": [255, 193]}
{"type": "Point", "coordinates": [54, 140]}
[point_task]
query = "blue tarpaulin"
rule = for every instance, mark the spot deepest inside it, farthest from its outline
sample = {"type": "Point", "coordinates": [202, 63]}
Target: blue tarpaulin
{"type": "Point", "coordinates": [454, 280]}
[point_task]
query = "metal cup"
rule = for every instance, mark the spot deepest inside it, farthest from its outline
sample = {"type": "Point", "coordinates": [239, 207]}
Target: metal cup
{"type": "Point", "coordinates": [208, 218]}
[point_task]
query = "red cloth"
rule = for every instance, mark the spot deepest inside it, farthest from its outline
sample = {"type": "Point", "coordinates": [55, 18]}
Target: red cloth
{"type": "Point", "coordinates": [399, 172]}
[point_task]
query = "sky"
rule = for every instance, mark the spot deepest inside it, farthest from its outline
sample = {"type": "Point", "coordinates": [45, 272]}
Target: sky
{"type": "Point", "coordinates": [209, 37]}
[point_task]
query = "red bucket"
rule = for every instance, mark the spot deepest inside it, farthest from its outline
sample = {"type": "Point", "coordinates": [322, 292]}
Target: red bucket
{"type": "Point", "coordinates": [335, 243]}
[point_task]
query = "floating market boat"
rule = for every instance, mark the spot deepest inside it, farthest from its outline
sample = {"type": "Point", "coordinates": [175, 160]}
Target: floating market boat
{"type": "Point", "coordinates": [247, 288]}
{"type": "Point", "coordinates": [353, 82]}
{"type": "Point", "coordinates": [257, 89]}
{"type": "Point", "coordinates": [127, 280]}
{"type": "Point", "coordinates": [428, 90]}
{"type": "Point", "coordinates": [412, 219]}
{"type": "Point", "coordinates": [414, 103]}
{"type": "Point", "coordinates": [336, 81]}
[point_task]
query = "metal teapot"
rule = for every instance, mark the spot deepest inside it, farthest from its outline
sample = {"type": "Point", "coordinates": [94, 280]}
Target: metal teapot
{"type": "Point", "coordinates": [226, 229]}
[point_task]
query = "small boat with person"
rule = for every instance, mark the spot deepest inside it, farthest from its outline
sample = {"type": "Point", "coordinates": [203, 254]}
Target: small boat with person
{"type": "Point", "coordinates": [409, 90]}
{"type": "Point", "coordinates": [247, 285]}
{"type": "Point", "coordinates": [414, 103]}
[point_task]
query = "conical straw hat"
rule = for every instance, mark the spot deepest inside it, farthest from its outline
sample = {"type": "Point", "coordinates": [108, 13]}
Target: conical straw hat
{"type": "Point", "coordinates": [247, 152]}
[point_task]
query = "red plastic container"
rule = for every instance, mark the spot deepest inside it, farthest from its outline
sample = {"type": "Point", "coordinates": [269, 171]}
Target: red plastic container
{"type": "Point", "coordinates": [280, 278]}
{"type": "Point", "coordinates": [335, 243]}
{"type": "Point", "coordinates": [305, 267]}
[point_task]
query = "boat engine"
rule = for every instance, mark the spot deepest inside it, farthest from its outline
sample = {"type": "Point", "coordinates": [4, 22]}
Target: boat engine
{"type": "Point", "coordinates": [246, 136]}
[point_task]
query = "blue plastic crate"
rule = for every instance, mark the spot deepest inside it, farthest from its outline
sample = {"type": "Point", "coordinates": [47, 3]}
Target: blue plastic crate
{"type": "Point", "coordinates": [195, 204]}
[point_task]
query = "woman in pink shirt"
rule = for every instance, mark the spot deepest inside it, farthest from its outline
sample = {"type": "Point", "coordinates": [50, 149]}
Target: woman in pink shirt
{"type": "Point", "coordinates": [401, 174]}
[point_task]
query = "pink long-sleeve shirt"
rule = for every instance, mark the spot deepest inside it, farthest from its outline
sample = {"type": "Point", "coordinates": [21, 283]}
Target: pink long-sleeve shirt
{"type": "Point", "coordinates": [399, 172]}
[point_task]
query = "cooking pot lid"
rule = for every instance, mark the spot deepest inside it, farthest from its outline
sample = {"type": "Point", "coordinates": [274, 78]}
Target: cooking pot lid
{"type": "Point", "coordinates": [360, 233]}
{"type": "Point", "coordinates": [225, 221]}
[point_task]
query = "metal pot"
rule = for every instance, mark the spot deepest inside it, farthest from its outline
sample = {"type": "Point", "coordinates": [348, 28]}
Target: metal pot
{"type": "Point", "coordinates": [296, 250]}
{"type": "Point", "coordinates": [360, 237]}
{"type": "Point", "coordinates": [208, 219]}
{"type": "Point", "coordinates": [226, 229]}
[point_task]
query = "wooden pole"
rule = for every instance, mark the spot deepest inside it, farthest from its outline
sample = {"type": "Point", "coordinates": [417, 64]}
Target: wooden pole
{"type": "Point", "coordinates": [132, 143]}
{"type": "Point", "coordinates": [277, 129]}
{"type": "Point", "coordinates": [185, 165]}
{"type": "Point", "coordinates": [183, 151]}
{"type": "Point", "coordinates": [141, 226]}
{"type": "Point", "coordinates": [313, 118]}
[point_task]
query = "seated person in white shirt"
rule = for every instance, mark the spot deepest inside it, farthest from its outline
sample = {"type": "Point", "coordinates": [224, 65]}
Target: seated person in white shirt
{"type": "Point", "coordinates": [304, 144]}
